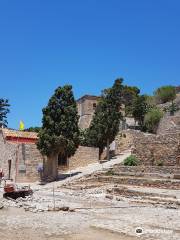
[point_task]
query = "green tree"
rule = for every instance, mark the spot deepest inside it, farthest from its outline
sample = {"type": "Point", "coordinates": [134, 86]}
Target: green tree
{"type": "Point", "coordinates": [151, 101]}
{"type": "Point", "coordinates": [60, 132]}
{"type": "Point", "coordinates": [4, 110]}
{"type": "Point", "coordinates": [33, 129]}
{"type": "Point", "coordinates": [152, 118]}
{"type": "Point", "coordinates": [165, 94]}
{"type": "Point", "coordinates": [129, 93]}
{"type": "Point", "coordinates": [139, 109]}
{"type": "Point", "coordinates": [105, 122]}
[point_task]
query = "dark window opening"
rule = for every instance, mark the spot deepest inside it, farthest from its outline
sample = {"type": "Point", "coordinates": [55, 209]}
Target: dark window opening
{"type": "Point", "coordinates": [94, 106]}
{"type": "Point", "coordinates": [62, 160]}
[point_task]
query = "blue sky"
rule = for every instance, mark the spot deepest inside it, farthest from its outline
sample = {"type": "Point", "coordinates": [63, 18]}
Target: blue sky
{"type": "Point", "coordinates": [86, 43]}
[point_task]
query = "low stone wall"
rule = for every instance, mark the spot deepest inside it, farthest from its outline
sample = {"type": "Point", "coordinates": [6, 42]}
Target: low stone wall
{"type": "Point", "coordinates": [169, 124]}
{"type": "Point", "coordinates": [125, 140]}
{"type": "Point", "coordinates": [84, 156]}
{"type": "Point", "coordinates": [157, 149]}
{"type": "Point", "coordinates": [146, 169]}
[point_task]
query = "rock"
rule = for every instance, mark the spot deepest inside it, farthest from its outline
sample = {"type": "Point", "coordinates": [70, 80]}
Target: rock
{"type": "Point", "coordinates": [64, 209]}
{"type": "Point", "coordinates": [1, 206]}
{"type": "Point", "coordinates": [109, 197]}
{"type": "Point", "coordinates": [71, 210]}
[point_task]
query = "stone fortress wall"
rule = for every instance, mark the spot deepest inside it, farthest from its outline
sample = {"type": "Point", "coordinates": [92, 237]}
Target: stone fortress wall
{"type": "Point", "coordinates": [150, 149]}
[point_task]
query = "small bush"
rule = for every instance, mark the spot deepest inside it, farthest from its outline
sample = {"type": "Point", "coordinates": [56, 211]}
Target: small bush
{"type": "Point", "coordinates": [110, 172]}
{"type": "Point", "coordinates": [165, 94]}
{"type": "Point", "coordinates": [131, 161]}
{"type": "Point", "coordinates": [159, 163]}
{"type": "Point", "coordinates": [151, 120]}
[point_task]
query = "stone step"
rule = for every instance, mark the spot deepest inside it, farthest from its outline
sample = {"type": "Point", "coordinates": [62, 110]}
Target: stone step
{"type": "Point", "coordinates": [140, 174]}
{"type": "Point", "coordinates": [140, 181]}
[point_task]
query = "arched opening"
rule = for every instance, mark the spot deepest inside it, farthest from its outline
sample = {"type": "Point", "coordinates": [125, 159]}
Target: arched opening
{"type": "Point", "coordinates": [94, 106]}
{"type": "Point", "coordinates": [62, 160]}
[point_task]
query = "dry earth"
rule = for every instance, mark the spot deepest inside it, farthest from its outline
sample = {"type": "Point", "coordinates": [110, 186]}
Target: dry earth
{"type": "Point", "coordinates": [96, 210]}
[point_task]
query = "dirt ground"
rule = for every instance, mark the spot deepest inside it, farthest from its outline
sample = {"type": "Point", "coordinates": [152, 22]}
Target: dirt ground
{"type": "Point", "coordinates": [95, 217]}
{"type": "Point", "coordinates": [97, 210]}
{"type": "Point", "coordinates": [11, 230]}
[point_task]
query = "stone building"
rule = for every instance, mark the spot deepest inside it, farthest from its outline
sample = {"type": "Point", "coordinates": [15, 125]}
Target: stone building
{"type": "Point", "coordinates": [86, 106]}
{"type": "Point", "coordinates": [19, 156]}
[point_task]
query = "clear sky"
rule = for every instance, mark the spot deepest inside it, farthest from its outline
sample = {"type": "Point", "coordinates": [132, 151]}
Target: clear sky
{"type": "Point", "coordinates": [86, 43]}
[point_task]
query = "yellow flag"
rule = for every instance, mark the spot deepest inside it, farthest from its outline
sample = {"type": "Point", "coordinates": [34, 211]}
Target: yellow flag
{"type": "Point", "coordinates": [21, 126]}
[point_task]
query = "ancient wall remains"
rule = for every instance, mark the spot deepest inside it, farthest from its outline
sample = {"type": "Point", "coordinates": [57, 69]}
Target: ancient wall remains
{"type": "Point", "coordinates": [169, 124]}
{"type": "Point", "coordinates": [157, 149]}
{"type": "Point", "coordinates": [84, 156]}
{"type": "Point", "coordinates": [125, 140]}
{"type": "Point", "coordinates": [150, 149]}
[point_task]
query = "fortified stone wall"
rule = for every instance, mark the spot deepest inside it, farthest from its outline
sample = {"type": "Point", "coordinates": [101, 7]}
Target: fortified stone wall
{"type": "Point", "coordinates": [150, 149]}
{"type": "Point", "coordinates": [125, 140]}
{"type": "Point", "coordinates": [157, 149]}
{"type": "Point", "coordinates": [169, 124]}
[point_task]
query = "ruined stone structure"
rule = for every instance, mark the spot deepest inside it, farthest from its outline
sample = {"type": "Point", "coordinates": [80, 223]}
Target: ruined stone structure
{"type": "Point", "coordinates": [125, 140]}
{"type": "Point", "coordinates": [157, 149]}
{"type": "Point", "coordinates": [86, 106]}
{"type": "Point", "coordinates": [150, 149]}
{"type": "Point", "coordinates": [19, 156]}
{"type": "Point", "coordinates": [169, 125]}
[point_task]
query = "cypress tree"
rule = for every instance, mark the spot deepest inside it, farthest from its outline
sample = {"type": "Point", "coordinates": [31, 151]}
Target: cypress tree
{"type": "Point", "coordinates": [105, 122]}
{"type": "Point", "coordinates": [60, 132]}
{"type": "Point", "coordinates": [4, 110]}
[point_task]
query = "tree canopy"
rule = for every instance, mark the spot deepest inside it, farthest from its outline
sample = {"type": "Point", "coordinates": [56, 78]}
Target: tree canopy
{"type": "Point", "coordinates": [4, 110]}
{"type": "Point", "coordinates": [139, 109]}
{"type": "Point", "coordinates": [129, 94]}
{"type": "Point", "coordinates": [152, 118]}
{"type": "Point", "coordinates": [106, 119]}
{"type": "Point", "coordinates": [33, 129]}
{"type": "Point", "coordinates": [60, 132]}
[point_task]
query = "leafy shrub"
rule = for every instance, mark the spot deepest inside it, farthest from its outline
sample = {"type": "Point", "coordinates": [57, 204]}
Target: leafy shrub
{"type": "Point", "coordinates": [165, 94]}
{"type": "Point", "coordinates": [110, 172]}
{"type": "Point", "coordinates": [152, 118]}
{"type": "Point", "coordinates": [173, 108]}
{"type": "Point", "coordinates": [159, 163]}
{"type": "Point", "coordinates": [131, 161]}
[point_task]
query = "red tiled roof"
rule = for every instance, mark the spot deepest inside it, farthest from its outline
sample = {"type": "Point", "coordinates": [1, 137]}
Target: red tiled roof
{"type": "Point", "coordinates": [19, 134]}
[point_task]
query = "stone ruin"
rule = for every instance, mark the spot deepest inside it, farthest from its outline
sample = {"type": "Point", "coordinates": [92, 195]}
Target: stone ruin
{"type": "Point", "coordinates": [151, 149]}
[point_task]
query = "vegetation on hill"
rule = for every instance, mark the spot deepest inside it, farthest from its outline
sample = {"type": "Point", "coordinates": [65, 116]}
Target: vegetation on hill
{"type": "Point", "coordinates": [152, 119]}
{"type": "Point", "coordinates": [139, 109]}
{"type": "Point", "coordinates": [4, 110]}
{"type": "Point", "coordinates": [131, 161]}
{"type": "Point", "coordinates": [129, 94]}
{"type": "Point", "coordinates": [165, 94]}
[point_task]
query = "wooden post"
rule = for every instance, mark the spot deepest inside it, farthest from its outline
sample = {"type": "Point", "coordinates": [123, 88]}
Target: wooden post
{"type": "Point", "coordinates": [54, 205]}
{"type": "Point", "coordinates": [107, 150]}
